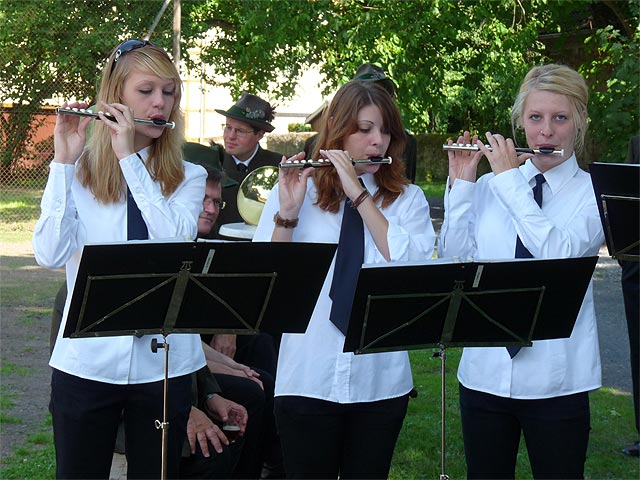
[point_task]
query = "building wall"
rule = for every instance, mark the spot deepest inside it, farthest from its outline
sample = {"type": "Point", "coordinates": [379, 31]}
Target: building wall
{"type": "Point", "coordinates": [203, 123]}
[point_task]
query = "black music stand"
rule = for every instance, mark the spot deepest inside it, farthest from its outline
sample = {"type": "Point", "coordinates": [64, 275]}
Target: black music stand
{"type": "Point", "coordinates": [148, 288]}
{"type": "Point", "coordinates": [440, 304]}
{"type": "Point", "coordinates": [617, 189]}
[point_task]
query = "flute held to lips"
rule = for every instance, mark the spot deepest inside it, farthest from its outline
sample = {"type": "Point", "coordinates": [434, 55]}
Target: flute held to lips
{"type": "Point", "coordinates": [469, 147]}
{"type": "Point", "coordinates": [323, 162]}
{"type": "Point", "coordinates": [81, 112]}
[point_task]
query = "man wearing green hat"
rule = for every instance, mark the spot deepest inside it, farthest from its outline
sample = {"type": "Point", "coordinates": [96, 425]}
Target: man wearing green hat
{"type": "Point", "coordinates": [246, 123]}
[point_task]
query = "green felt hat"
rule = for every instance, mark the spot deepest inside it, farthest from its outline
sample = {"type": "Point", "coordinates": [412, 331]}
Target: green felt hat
{"type": "Point", "coordinates": [252, 110]}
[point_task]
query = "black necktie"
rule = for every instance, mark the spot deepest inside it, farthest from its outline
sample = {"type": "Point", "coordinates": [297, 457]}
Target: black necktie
{"type": "Point", "coordinates": [241, 167]}
{"type": "Point", "coordinates": [521, 250]}
{"type": "Point", "coordinates": [349, 260]}
{"type": "Point", "coordinates": [136, 228]}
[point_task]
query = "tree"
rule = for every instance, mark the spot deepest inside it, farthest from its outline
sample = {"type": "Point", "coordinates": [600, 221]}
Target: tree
{"type": "Point", "coordinates": [55, 48]}
{"type": "Point", "coordinates": [457, 63]}
{"type": "Point", "coordinates": [614, 73]}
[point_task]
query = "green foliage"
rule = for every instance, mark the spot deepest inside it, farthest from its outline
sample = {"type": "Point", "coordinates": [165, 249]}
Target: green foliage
{"type": "Point", "coordinates": [432, 189]}
{"type": "Point", "coordinates": [457, 63]}
{"type": "Point", "coordinates": [58, 48]}
{"type": "Point", "coordinates": [614, 72]}
{"type": "Point", "coordinates": [299, 127]}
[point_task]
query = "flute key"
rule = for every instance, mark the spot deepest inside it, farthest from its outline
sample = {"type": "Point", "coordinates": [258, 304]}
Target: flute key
{"type": "Point", "coordinates": [475, 148]}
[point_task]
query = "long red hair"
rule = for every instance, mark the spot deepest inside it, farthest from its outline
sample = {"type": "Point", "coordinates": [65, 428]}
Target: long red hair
{"type": "Point", "coordinates": [341, 120]}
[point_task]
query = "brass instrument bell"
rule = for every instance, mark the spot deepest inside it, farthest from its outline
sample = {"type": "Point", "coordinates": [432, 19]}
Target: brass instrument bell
{"type": "Point", "coordinates": [254, 191]}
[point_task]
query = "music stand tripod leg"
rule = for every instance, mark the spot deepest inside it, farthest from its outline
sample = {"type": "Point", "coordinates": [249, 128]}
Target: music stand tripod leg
{"type": "Point", "coordinates": [443, 389]}
{"type": "Point", "coordinates": [164, 424]}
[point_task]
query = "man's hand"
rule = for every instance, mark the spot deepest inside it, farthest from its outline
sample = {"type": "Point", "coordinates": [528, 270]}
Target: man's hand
{"type": "Point", "coordinates": [223, 364]}
{"type": "Point", "coordinates": [200, 428]}
{"type": "Point", "coordinates": [237, 371]}
{"type": "Point", "coordinates": [220, 408]}
{"type": "Point", "coordinates": [224, 343]}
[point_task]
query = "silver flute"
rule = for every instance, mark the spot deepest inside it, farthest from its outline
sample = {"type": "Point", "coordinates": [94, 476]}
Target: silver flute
{"type": "Point", "coordinates": [81, 112]}
{"type": "Point", "coordinates": [469, 147]}
{"type": "Point", "coordinates": [323, 162]}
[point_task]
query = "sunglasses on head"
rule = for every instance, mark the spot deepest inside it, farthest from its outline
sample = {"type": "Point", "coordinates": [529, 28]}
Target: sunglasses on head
{"type": "Point", "coordinates": [130, 45]}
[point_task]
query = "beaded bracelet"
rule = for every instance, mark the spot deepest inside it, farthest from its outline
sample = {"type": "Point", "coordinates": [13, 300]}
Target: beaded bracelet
{"type": "Point", "coordinates": [361, 198]}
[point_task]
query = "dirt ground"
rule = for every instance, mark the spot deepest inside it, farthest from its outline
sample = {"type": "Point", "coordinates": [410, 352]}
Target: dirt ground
{"type": "Point", "coordinates": [24, 341]}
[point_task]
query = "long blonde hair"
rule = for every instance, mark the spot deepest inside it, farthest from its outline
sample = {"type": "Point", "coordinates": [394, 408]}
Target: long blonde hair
{"type": "Point", "coordinates": [559, 79]}
{"type": "Point", "coordinates": [98, 167]}
{"type": "Point", "coordinates": [341, 120]}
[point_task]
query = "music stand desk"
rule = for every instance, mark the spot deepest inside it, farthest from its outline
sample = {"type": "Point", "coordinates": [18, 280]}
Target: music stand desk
{"type": "Point", "coordinates": [196, 287]}
{"type": "Point", "coordinates": [443, 304]}
{"type": "Point", "coordinates": [147, 288]}
{"type": "Point", "coordinates": [617, 189]}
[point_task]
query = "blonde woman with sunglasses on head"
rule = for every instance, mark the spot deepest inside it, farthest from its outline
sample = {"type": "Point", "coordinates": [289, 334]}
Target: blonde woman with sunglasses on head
{"type": "Point", "coordinates": [96, 380]}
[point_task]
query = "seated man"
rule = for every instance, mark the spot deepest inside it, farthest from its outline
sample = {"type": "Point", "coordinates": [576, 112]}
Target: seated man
{"type": "Point", "coordinates": [249, 387]}
{"type": "Point", "coordinates": [199, 459]}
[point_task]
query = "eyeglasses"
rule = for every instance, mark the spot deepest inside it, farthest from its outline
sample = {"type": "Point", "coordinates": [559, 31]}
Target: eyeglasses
{"type": "Point", "coordinates": [128, 46]}
{"type": "Point", "coordinates": [239, 131]}
{"type": "Point", "coordinates": [219, 204]}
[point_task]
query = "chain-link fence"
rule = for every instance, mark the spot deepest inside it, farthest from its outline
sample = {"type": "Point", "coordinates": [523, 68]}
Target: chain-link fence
{"type": "Point", "coordinates": [63, 64]}
{"type": "Point", "coordinates": [23, 177]}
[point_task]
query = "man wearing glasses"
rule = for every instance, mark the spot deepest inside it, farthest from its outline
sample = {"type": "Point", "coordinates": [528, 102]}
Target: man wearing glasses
{"type": "Point", "coordinates": [246, 123]}
{"type": "Point", "coordinates": [212, 204]}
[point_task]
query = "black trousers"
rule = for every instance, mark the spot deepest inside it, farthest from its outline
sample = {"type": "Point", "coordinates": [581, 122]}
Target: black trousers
{"type": "Point", "coordinates": [86, 414]}
{"type": "Point", "coordinates": [556, 431]}
{"type": "Point", "coordinates": [259, 405]}
{"type": "Point", "coordinates": [257, 351]}
{"type": "Point", "coordinates": [323, 439]}
{"type": "Point", "coordinates": [218, 466]}
{"type": "Point", "coordinates": [631, 293]}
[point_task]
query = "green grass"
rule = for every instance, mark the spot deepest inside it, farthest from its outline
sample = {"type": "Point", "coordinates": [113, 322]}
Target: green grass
{"type": "Point", "coordinates": [417, 454]}
{"type": "Point", "coordinates": [8, 368]}
{"type": "Point", "coordinates": [19, 211]}
{"type": "Point", "coordinates": [7, 402]}
{"type": "Point", "coordinates": [33, 460]}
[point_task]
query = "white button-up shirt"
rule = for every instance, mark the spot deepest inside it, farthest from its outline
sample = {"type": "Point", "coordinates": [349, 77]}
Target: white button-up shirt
{"type": "Point", "coordinates": [482, 220]}
{"type": "Point", "coordinates": [71, 218]}
{"type": "Point", "coordinates": [313, 364]}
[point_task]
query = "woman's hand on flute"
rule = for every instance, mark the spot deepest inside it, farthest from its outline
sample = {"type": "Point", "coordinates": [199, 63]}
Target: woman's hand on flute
{"type": "Point", "coordinates": [122, 128]}
{"type": "Point", "coordinates": [463, 164]}
{"type": "Point", "coordinates": [502, 156]}
{"type": "Point", "coordinates": [343, 164]}
{"type": "Point", "coordinates": [69, 135]}
{"type": "Point", "coordinates": [292, 186]}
